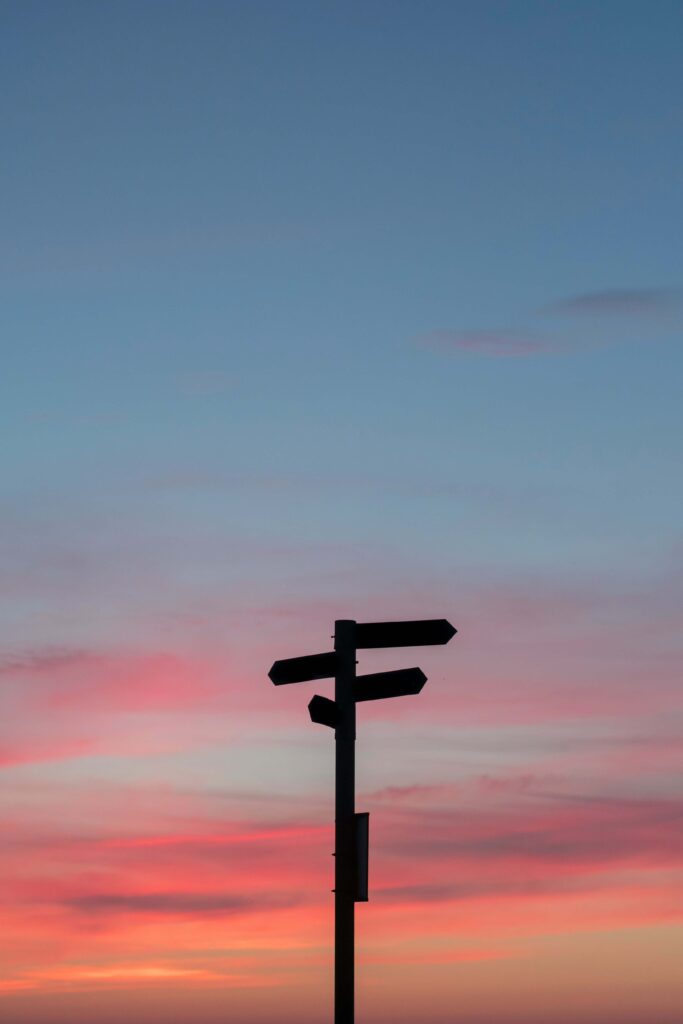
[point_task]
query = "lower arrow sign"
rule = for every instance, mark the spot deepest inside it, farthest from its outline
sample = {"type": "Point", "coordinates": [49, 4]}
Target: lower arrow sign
{"type": "Point", "coordinates": [389, 684]}
{"type": "Point", "coordinates": [323, 711]}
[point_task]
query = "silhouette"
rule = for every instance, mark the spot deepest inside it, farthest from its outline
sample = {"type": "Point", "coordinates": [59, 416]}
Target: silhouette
{"type": "Point", "coordinates": [351, 831]}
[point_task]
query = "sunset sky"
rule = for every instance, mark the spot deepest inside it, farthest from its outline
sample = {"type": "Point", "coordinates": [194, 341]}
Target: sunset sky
{"type": "Point", "coordinates": [317, 310]}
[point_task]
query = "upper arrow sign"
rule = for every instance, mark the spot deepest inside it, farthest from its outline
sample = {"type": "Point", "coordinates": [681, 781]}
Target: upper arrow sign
{"type": "Point", "coordinates": [404, 634]}
{"type": "Point", "coordinates": [389, 684]}
{"type": "Point", "coordinates": [300, 670]}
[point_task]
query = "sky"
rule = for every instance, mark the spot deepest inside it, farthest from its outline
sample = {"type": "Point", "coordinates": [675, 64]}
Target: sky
{"type": "Point", "coordinates": [319, 310]}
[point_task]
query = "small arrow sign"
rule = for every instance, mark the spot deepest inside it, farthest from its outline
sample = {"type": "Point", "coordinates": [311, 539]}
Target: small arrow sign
{"type": "Point", "coordinates": [323, 711]}
{"type": "Point", "coordinates": [389, 684]}
{"type": "Point", "coordinates": [415, 633]}
{"type": "Point", "coordinates": [300, 670]}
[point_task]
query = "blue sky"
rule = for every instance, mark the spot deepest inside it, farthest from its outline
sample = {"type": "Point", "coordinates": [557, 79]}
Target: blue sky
{"type": "Point", "coordinates": [230, 228]}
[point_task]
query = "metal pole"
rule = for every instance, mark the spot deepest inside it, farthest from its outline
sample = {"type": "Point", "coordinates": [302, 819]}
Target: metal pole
{"type": "Point", "coordinates": [345, 799]}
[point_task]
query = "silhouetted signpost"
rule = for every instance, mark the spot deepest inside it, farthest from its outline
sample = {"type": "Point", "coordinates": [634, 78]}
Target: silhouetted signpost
{"type": "Point", "coordinates": [351, 833]}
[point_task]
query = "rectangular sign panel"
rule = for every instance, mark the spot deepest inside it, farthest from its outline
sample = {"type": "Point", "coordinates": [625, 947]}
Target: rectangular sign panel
{"type": "Point", "coordinates": [362, 847]}
{"type": "Point", "coordinates": [378, 685]}
{"type": "Point", "coordinates": [323, 711]}
{"type": "Point", "coordinates": [414, 633]}
{"type": "Point", "coordinates": [300, 670]}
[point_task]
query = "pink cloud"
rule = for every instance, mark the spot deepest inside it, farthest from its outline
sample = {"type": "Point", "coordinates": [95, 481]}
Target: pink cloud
{"type": "Point", "coordinates": [33, 751]}
{"type": "Point", "coordinates": [62, 704]}
{"type": "Point", "coordinates": [92, 681]}
{"type": "Point", "coordinates": [563, 836]}
{"type": "Point", "coordinates": [507, 841]}
{"type": "Point", "coordinates": [491, 343]}
{"type": "Point", "coordinates": [157, 879]}
{"type": "Point", "coordinates": [39, 662]}
{"type": "Point", "coordinates": [175, 903]}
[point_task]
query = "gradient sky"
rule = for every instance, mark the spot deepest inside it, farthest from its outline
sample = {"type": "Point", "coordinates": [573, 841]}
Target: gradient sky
{"type": "Point", "coordinates": [323, 310]}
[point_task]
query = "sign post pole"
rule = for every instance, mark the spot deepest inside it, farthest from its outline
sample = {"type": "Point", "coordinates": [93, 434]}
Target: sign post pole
{"type": "Point", "coordinates": [351, 830]}
{"type": "Point", "coordinates": [344, 827]}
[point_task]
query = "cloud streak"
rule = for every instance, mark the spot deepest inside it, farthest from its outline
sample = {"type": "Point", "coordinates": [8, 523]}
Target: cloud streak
{"type": "Point", "coordinates": [55, 678]}
{"type": "Point", "coordinates": [651, 305]}
{"type": "Point", "coordinates": [513, 344]}
{"type": "Point", "coordinates": [642, 303]}
{"type": "Point", "coordinates": [173, 903]}
{"type": "Point", "coordinates": [34, 752]}
{"type": "Point", "coordinates": [44, 661]}
{"type": "Point", "coordinates": [506, 850]}
{"type": "Point", "coordinates": [572, 833]}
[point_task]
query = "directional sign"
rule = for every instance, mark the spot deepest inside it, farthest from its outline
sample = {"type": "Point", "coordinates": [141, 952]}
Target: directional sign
{"type": "Point", "coordinates": [300, 670]}
{"type": "Point", "coordinates": [414, 633]}
{"type": "Point", "coordinates": [389, 684]}
{"type": "Point", "coordinates": [323, 711]}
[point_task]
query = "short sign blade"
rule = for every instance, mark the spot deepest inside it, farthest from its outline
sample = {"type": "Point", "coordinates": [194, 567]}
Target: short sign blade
{"type": "Point", "coordinates": [378, 685]}
{"type": "Point", "coordinates": [300, 670]}
{"type": "Point", "coordinates": [323, 711]}
{"type": "Point", "coordinates": [414, 633]}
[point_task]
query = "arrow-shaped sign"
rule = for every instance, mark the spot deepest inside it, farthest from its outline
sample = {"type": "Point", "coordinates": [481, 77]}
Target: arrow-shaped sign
{"type": "Point", "coordinates": [300, 670]}
{"type": "Point", "coordinates": [389, 684]}
{"type": "Point", "coordinates": [323, 711]}
{"type": "Point", "coordinates": [413, 633]}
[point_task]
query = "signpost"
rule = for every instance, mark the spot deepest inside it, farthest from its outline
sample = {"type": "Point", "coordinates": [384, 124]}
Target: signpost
{"type": "Point", "coordinates": [352, 829]}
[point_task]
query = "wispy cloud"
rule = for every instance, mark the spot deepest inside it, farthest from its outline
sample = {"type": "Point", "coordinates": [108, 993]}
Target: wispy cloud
{"type": "Point", "coordinates": [90, 680]}
{"type": "Point", "coordinates": [172, 903]}
{"type": "Point", "coordinates": [131, 248]}
{"type": "Point", "coordinates": [483, 889]}
{"type": "Point", "coordinates": [620, 302]}
{"type": "Point", "coordinates": [493, 845]}
{"type": "Point", "coordinates": [63, 704]}
{"type": "Point", "coordinates": [86, 974]}
{"type": "Point", "coordinates": [34, 752]}
{"type": "Point", "coordinates": [574, 834]}
{"type": "Point", "coordinates": [43, 661]}
{"type": "Point", "coordinates": [490, 342]}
